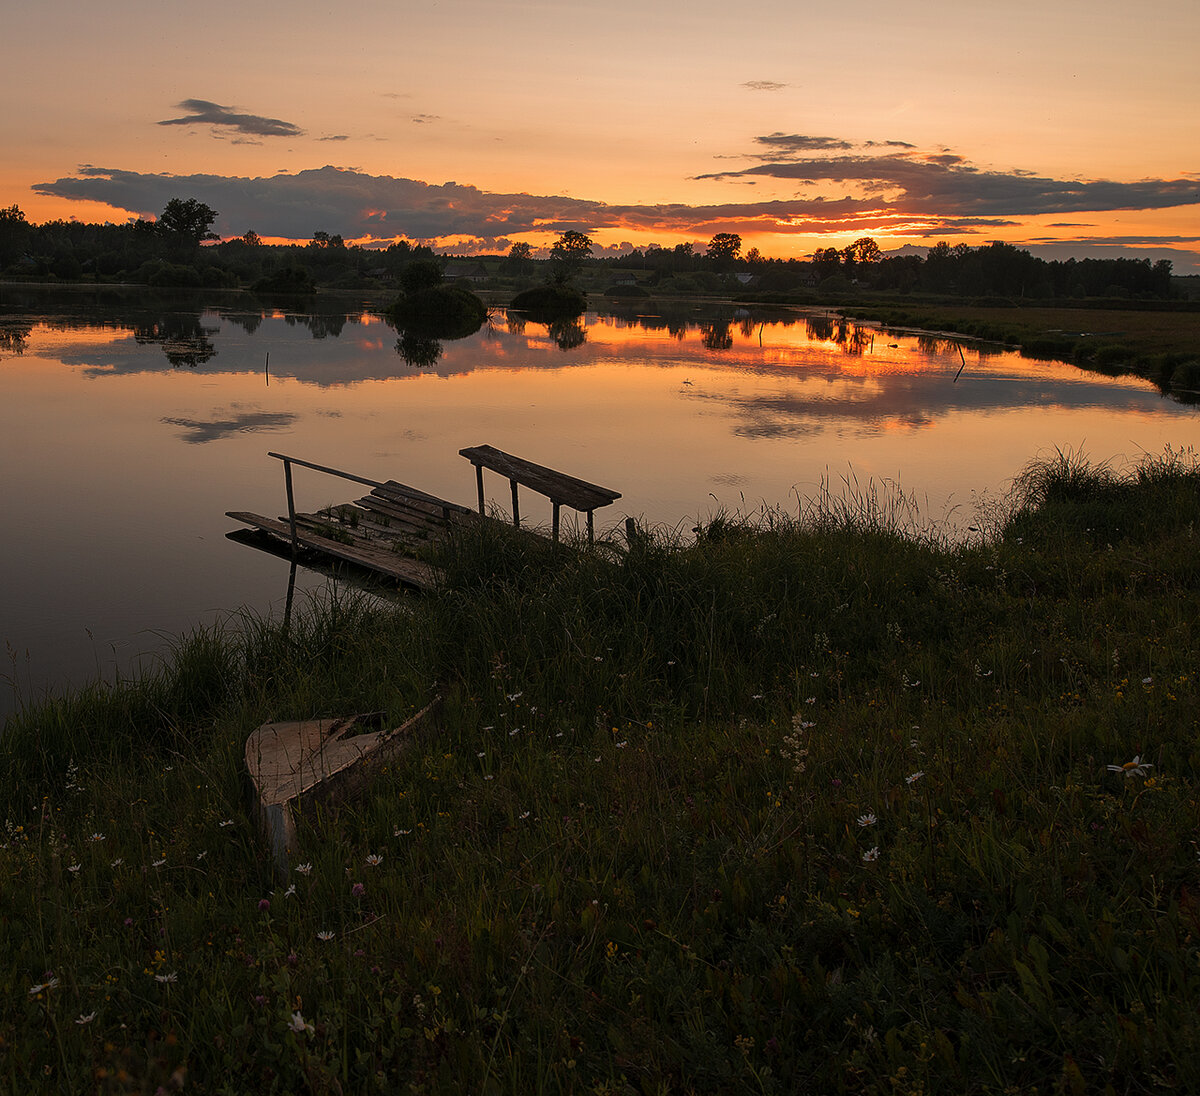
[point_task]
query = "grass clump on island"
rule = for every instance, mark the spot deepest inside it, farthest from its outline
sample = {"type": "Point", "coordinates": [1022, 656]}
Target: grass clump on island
{"type": "Point", "coordinates": [804, 804]}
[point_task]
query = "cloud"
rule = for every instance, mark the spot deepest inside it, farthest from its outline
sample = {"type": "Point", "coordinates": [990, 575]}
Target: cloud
{"type": "Point", "coordinates": [335, 137]}
{"type": "Point", "coordinates": [794, 142]}
{"type": "Point", "coordinates": [941, 183]}
{"type": "Point", "coordinates": [203, 113]}
{"type": "Point", "coordinates": [764, 85]}
{"type": "Point", "coordinates": [840, 187]}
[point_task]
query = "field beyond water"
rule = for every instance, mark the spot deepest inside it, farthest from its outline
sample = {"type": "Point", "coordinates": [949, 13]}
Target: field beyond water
{"type": "Point", "coordinates": [797, 805]}
{"type": "Point", "coordinates": [1161, 345]}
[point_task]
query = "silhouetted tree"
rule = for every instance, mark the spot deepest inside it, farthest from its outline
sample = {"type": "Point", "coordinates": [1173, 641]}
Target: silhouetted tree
{"type": "Point", "coordinates": [520, 258]}
{"type": "Point", "coordinates": [14, 234]}
{"type": "Point", "coordinates": [724, 249]}
{"type": "Point", "coordinates": [569, 252]}
{"type": "Point", "coordinates": [188, 219]}
{"type": "Point", "coordinates": [827, 261]}
{"type": "Point", "coordinates": [420, 274]}
{"type": "Point", "coordinates": [863, 250]}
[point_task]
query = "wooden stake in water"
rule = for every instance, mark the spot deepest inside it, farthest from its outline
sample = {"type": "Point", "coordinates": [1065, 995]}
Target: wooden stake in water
{"type": "Point", "coordinates": [961, 367]}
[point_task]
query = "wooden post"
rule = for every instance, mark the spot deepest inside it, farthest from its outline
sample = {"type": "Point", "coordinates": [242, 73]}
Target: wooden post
{"type": "Point", "coordinates": [555, 523]}
{"type": "Point", "coordinates": [516, 511]}
{"type": "Point", "coordinates": [589, 514]}
{"type": "Point", "coordinates": [287, 481]}
{"type": "Point", "coordinates": [479, 484]}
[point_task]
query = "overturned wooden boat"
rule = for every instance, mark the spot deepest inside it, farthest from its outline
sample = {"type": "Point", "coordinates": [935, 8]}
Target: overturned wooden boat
{"type": "Point", "coordinates": [297, 766]}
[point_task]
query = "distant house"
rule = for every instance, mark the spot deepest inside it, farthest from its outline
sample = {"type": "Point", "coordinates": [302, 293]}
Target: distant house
{"type": "Point", "coordinates": [623, 277]}
{"type": "Point", "coordinates": [464, 271]}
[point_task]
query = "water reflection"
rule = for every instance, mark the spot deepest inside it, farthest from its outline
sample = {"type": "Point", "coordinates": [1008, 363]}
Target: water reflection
{"type": "Point", "coordinates": [144, 417]}
{"type": "Point", "coordinates": [184, 338]}
{"type": "Point", "coordinates": [716, 336]}
{"type": "Point", "coordinates": [567, 333]}
{"type": "Point", "coordinates": [419, 351]}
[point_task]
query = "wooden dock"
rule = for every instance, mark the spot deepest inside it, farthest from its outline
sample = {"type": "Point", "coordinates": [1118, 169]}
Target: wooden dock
{"type": "Point", "coordinates": [390, 529]}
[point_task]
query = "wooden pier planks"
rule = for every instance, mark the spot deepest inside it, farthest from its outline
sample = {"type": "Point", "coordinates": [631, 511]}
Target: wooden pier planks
{"type": "Point", "coordinates": [384, 561]}
{"type": "Point", "coordinates": [381, 531]}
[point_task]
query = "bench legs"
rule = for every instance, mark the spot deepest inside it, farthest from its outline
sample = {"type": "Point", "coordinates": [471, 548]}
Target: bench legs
{"type": "Point", "coordinates": [516, 507]}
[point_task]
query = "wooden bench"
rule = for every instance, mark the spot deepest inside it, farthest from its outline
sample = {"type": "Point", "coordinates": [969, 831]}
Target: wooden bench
{"type": "Point", "coordinates": [558, 487]}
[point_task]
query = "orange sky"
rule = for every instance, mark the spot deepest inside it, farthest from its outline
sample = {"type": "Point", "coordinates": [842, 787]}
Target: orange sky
{"type": "Point", "coordinates": [797, 126]}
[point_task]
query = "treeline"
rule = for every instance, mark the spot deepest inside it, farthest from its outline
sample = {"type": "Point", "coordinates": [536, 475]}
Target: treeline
{"type": "Point", "coordinates": [177, 250]}
{"type": "Point", "coordinates": [167, 254]}
{"type": "Point", "coordinates": [993, 270]}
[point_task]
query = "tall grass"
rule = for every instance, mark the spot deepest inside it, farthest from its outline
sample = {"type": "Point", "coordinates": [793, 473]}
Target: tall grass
{"type": "Point", "coordinates": [805, 804]}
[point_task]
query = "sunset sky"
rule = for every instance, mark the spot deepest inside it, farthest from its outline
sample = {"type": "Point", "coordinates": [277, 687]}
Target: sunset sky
{"type": "Point", "coordinates": [1070, 127]}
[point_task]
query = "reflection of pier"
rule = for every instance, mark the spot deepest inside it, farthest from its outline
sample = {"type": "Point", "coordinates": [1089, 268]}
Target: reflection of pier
{"type": "Point", "coordinates": [392, 530]}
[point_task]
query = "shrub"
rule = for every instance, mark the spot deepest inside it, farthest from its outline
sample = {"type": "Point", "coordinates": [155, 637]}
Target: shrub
{"type": "Point", "coordinates": [548, 302]}
{"type": "Point", "coordinates": [440, 311]}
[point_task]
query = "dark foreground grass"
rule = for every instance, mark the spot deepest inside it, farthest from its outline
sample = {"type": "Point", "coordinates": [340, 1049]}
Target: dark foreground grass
{"type": "Point", "coordinates": [808, 806]}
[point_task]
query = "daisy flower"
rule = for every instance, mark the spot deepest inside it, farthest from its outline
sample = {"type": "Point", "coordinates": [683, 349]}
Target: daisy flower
{"type": "Point", "coordinates": [1136, 767]}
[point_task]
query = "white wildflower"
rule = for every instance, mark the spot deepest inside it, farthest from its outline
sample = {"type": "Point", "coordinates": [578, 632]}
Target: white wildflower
{"type": "Point", "coordinates": [299, 1025]}
{"type": "Point", "coordinates": [1136, 767]}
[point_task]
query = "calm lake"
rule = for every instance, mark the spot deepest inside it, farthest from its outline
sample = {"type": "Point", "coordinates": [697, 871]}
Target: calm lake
{"type": "Point", "coordinates": [131, 421]}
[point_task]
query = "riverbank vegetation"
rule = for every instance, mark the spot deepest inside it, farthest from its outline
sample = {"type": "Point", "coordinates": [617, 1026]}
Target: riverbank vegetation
{"type": "Point", "coordinates": [1162, 346]}
{"type": "Point", "coordinates": [807, 802]}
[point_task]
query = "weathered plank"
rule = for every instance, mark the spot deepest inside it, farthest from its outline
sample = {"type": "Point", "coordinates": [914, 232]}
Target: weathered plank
{"type": "Point", "coordinates": [557, 486]}
{"type": "Point", "coordinates": [410, 571]}
{"type": "Point", "coordinates": [399, 492]}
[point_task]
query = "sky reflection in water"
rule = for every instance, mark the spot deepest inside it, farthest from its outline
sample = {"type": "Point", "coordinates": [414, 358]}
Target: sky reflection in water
{"type": "Point", "coordinates": [126, 434]}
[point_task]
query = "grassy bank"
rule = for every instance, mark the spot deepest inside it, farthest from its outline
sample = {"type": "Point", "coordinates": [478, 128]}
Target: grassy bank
{"type": "Point", "coordinates": [808, 805]}
{"type": "Point", "coordinates": [1162, 346]}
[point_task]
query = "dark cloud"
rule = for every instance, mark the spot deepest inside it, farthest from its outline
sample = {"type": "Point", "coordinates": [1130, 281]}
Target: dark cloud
{"type": "Point", "coordinates": [200, 112]}
{"type": "Point", "coordinates": [795, 142]}
{"type": "Point", "coordinates": [924, 195]}
{"type": "Point", "coordinates": [943, 183]}
{"type": "Point", "coordinates": [424, 119]}
{"type": "Point", "coordinates": [335, 137]}
{"type": "Point", "coordinates": [764, 85]}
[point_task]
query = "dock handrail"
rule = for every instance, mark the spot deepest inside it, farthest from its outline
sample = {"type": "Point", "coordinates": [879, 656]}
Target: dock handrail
{"type": "Point", "coordinates": [287, 482]}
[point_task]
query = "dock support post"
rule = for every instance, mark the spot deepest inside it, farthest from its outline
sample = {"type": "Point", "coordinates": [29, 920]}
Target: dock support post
{"type": "Point", "coordinates": [479, 484]}
{"type": "Point", "coordinates": [555, 524]}
{"type": "Point", "coordinates": [287, 482]}
{"type": "Point", "coordinates": [516, 511]}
